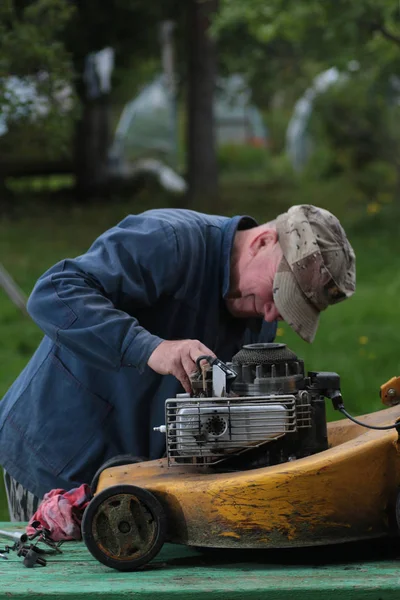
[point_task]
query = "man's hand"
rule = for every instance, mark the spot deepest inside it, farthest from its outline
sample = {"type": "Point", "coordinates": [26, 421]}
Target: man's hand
{"type": "Point", "coordinates": [178, 358]}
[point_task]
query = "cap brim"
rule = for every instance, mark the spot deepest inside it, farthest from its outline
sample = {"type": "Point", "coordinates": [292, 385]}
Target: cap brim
{"type": "Point", "coordinates": [294, 307]}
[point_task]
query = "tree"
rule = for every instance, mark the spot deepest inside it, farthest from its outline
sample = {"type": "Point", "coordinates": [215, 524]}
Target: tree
{"type": "Point", "coordinates": [202, 168]}
{"type": "Point", "coordinates": [30, 44]}
{"type": "Point", "coordinates": [50, 36]}
{"type": "Point", "coordinates": [341, 33]}
{"type": "Point", "coordinates": [333, 30]}
{"type": "Point", "coordinates": [132, 28]}
{"type": "Point", "coordinates": [56, 37]}
{"type": "Point", "coordinates": [32, 54]}
{"type": "Point", "coordinates": [299, 38]}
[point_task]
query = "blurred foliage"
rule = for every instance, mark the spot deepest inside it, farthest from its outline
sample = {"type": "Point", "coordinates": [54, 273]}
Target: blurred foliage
{"type": "Point", "coordinates": [44, 138]}
{"type": "Point", "coordinates": [284, 43]}
{"type": "Point", "coordinates": [276, 119]}
{"type": "Point", "coordinates": [356, 136]}
{"type": "Point", "coordinates": [45, 43]}
{"type": "Point", "coordinates": [332, 30]}
{"type": "Point", "coordinates": [232, 157]}
{"type": "Point", "coordinates": [131, 27]}
{"type": "Point", "coordinates": [30, 39]}
{"type": "Point", "coordinates": [36, 79]}
{"type": "Point", "coordinates": [274, 69]}
{"type": "Point", "coordinates": [57, 35]}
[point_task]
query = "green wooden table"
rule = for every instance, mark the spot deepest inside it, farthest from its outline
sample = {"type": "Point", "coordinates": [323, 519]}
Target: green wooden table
{"type": "Point", "coordinates": [366, 571]}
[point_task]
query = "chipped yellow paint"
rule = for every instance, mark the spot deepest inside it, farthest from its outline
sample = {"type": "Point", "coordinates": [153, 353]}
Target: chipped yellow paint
{"type": "Point", "coordinates": [231, 534]}
{"type": "Point", "coordinates": [345, 493]}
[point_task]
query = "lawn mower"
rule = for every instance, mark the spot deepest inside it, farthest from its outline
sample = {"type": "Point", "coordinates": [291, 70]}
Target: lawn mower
{"type": "Point", "coordinates": [252, 463]}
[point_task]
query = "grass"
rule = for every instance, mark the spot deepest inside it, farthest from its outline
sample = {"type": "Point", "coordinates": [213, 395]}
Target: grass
{"type": "Point", "coordinates": [358, 339]}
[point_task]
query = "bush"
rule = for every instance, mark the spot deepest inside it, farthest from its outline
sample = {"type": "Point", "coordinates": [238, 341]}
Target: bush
{"type": "Point", "coordinates": [356, 139]}
{"type": "Point", "coordinates": [240, 157]}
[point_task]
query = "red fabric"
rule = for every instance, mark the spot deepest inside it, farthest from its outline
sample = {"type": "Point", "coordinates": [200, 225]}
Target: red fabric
{"type": "Point", "coordinates": [61, 513]}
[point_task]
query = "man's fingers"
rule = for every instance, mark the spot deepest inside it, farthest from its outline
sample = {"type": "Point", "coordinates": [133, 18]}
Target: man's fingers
{"type": "Point", "coordinates": [178, 358]}
{"type": "Point", "coordinates": [183, 378]}
{"type": "Point", "coordinates": [202, 349]}
{"type": "Point", "coordinates": [189, 366]}
{"type": "Point", "coordinates": [189, 359]}
{"type": "Point", "coordinates": [199, 350]}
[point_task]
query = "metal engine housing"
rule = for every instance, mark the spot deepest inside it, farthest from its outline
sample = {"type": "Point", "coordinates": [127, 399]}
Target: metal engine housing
{"type": "Point", "coordinates": [268, 412]}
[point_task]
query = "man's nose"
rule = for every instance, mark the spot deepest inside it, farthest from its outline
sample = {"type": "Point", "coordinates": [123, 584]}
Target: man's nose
{"type": "Point", "coordinates": [271, 313]}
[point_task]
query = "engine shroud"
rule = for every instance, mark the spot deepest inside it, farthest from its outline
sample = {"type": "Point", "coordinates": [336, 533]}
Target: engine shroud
{"type": "Point", "coordinates": [269, 414]}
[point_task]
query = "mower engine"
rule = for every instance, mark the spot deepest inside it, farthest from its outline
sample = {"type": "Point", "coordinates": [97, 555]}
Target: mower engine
{"type": "Point", "coordinates": [258, 410]}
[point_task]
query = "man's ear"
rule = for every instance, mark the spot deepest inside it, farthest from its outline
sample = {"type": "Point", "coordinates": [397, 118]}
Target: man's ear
{"type": "Point", "coordinates": [263, 239]}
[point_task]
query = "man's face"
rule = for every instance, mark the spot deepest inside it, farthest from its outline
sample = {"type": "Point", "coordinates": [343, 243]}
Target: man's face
{"type": "Point", "coordinates": [256, 283]}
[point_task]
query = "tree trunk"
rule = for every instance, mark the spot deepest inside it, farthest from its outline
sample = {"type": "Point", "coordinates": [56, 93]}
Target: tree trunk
{"type": "Point", "coordinates": [91, 147]}
{"type": "Point", "coordinates": [202, 167]}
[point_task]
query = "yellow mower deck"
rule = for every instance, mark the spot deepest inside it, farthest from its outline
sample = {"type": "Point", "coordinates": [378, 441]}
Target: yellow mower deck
{"type": "Point", "coordinates": [347, 492]}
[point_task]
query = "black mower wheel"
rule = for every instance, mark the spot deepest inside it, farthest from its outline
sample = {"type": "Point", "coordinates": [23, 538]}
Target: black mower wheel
{"type": "Point", "coordinates": [115, 461]}
{"type": "Point", "coordinates": [124, 527]}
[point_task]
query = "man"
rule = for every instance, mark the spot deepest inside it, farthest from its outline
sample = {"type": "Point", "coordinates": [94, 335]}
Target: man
{"type": "Point", "coordinates": [125, 322]}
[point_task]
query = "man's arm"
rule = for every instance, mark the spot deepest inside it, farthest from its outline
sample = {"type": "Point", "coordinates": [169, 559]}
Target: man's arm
{"type": "Point", "coordinates": [79, 303]}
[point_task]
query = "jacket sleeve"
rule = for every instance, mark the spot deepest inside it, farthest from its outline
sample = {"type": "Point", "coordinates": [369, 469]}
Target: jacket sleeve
{"type": "Point", "coordinates": [82, 304]}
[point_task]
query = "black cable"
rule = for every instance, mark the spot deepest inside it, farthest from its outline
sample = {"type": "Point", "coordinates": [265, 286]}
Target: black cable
{"type": "Point", "coordinates": [208, 358]}
{"type": "Point", "coordinates": [344, 411]}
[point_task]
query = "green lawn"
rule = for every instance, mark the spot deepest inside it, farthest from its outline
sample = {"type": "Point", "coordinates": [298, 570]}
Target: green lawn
{"type": "Point", "coordinates": [359, 338]}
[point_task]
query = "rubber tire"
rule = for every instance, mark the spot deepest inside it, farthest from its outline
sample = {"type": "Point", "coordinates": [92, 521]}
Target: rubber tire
{"type": "Point", "coordinates": [115, 461]}
{"type": "Point", "coordinates": [152, 504]}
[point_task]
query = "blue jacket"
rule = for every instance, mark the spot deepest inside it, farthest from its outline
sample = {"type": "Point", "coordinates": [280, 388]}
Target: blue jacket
{"type": "Point", "coordinates": [87, 393]}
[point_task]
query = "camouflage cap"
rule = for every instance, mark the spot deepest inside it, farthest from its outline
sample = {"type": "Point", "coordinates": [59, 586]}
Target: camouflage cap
{"type": "Point", "coordinates": [317, 268]}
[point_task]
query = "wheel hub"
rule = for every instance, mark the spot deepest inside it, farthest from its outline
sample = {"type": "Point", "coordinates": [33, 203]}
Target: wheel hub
{"type": "Point", "coordinates": [123, 527]}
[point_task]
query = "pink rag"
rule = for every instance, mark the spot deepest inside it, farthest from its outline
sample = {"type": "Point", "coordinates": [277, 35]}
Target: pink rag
{"type": "Point", "coordinates": [61, 513]}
